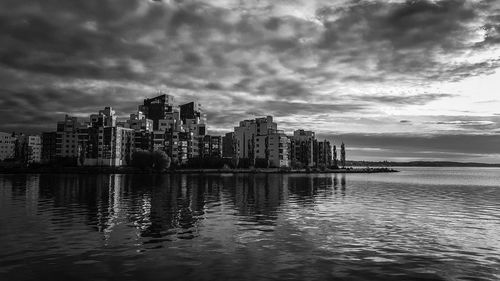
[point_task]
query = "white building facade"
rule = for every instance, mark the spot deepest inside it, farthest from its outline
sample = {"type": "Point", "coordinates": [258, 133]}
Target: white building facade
{"type": "Point", "coordinates": [34, 149]}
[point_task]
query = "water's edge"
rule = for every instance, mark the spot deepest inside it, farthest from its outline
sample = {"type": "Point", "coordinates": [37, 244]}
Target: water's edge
{"type": "Point", "coordinates": [111, 170]}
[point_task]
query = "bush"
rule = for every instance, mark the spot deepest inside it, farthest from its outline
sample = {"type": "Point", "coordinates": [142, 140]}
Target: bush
{"type": "Point", "coordinates": [160, 161]}
{"type": "Point", "coordinates": [146, 160]}
{"type": "Point", "coordinates": [297, 165]}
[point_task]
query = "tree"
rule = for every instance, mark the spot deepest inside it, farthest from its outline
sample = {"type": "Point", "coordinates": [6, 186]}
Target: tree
{"type": "Point", "coordinates": [342, 155]}
{"type": "Point", "coordinates": [142, 159]}
{"type": "Point", "coordinates": [160, 161]}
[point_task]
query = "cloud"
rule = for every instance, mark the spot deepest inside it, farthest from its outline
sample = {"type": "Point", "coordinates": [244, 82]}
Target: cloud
{"type": "Point", "coordinates": [418, 145]}
{"type": "Point", "coordinates": [470, 125]}
{"type": "Point", "coordinates": [467, 123]}
{"type": "Point", "coordinates": [407, 37]}
{"type": "Point", "coordinates": [419, 99]}
{"type": "Point", "coordinates": [334, 65]}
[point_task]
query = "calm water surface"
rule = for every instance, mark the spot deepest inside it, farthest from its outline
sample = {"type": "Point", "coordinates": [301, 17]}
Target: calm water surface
{"type": "Point", "coordinates": [419, 224]}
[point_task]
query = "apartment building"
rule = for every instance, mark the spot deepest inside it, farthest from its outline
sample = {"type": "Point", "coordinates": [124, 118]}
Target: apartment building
{"type": "Point", "coordinates": [107, 144]}
{"type": "Point", "coordinates": [7, 146]}
{"type": "Point", "coordinates": [33, 148]}
{"type": "Point", "coordinates": [260, 140]}
{"type": "Point", "coordinates": [211, 146]}
{"type": "Point", "coordinates": [323, 153]}
{"type": "Point", "coordinates": [273, 148]}
{"type": "Point", "coordinates": [302, 148]}
{"type": "Point", "coordinates": [67, 137]}
{"type": "Point", "coordinates": [246, 132]}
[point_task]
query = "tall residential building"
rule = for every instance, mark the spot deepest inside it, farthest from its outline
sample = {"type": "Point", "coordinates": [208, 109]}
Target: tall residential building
{"type": "Point", "coordinates": [246, 132]}
{"type": "Point", "coordinates": [192, 110]}
{"type": "Point", "coordinates": [273, 148]}
{"type": "Point", "coordinates": [105, 118]}
{"type": "Point", "coordinates": [259, 139]}
{"type": "Point", "coordinates": [177, 130]}
{"type": "Point", "coordinates": [143, 130]}
{"type": "Point", "coordinates": [139, 122]}
{"type": "Point", "coordinates": [170, 127]}
{"type": "Point", "coordinates": [106, 143]}
{"type": "Point", "coordinates": [7, 146]}
{"type": "Point", "coordinates": [193, 122]}
{"type": "Point", "coordinates": [302, 146]}
{"type": "Point", "coordinates": [67, 138]}
{"type": "Point", "coordinates": [322, 153]}
{"type": "Point", "coordinates": [157, 108]}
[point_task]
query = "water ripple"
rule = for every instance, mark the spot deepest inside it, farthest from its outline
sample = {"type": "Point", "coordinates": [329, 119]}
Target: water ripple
{"type": "Point", "coordinates": [413, 225]}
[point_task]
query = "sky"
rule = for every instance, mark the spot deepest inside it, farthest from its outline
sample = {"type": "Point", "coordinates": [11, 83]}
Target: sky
{"type": "Point", "coordinates": [394, 80]}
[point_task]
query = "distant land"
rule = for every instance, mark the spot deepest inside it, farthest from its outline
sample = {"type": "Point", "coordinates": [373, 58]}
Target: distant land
{"type": "Point", "coordinates": [418, 164]}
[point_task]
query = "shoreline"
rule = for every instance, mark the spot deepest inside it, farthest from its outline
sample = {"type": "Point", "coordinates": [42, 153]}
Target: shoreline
{"type": "Point", "coordinates": [128, 170]}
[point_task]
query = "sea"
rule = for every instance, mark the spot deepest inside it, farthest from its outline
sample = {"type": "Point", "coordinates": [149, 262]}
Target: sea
{"type": "Point", "coordinates": [417, 224]}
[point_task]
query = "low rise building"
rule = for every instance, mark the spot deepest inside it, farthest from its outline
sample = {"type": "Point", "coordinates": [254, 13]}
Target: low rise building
{"type": "Point", "coordinates": [7, 146]}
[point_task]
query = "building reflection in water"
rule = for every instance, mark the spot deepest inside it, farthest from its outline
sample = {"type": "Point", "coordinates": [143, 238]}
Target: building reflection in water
{"type": "Point", "coordinates": [343, 184]}
{"type": "Point", "coordinates": [178, 202]}
{"type": "Point", "coordinates": [257, 196]}
{"type": "Point", "coordinates": [154, 208]}
{"type": "Point", "coordinates": [306, 190]}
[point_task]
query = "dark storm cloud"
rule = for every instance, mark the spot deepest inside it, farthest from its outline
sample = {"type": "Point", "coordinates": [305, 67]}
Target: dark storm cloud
{"type": "Point", "coordinates": [108, 39]}
{"type": "Point", "coordinates": [408, 37]}
{"type": "Point", "coordinates": [42, 108]}
{"type": "Point", "coordinates": [40, 43]}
